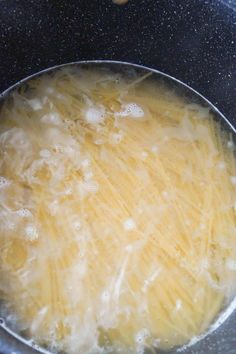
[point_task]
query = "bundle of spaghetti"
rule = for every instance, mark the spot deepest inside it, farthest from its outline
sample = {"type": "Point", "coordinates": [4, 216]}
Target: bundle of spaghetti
{"type": "Point", "coordinates": [117, 213]}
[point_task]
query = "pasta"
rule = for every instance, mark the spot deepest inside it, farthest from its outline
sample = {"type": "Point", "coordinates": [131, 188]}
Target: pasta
{"type": "Point", "coordinates": [117, 214]}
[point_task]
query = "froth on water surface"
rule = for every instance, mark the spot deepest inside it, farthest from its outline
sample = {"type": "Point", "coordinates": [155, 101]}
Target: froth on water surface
{"type": "Point", "coordinates": [117, 213]}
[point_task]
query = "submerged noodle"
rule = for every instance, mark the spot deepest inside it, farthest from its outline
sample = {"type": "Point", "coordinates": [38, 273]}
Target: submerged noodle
{"type": "Point", "coordinates": [117, 214]}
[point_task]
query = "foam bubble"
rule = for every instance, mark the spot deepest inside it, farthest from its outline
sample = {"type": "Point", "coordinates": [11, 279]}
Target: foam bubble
{"type": "Point", "coordinates": [230, 144]}
{"type": "Point", "coordinates": [49, 90]}
{"type": "Point", "coordinates": [221, 165]}
{"type": "Point", "coordinates": [4, 182]}
{"type": "Point", "coordinates": [131, 110]}
{"type": "Point", "coordinates": [233, 179]}
{"type": "Point", "coordinates": [45, 153]}
{"type": "Point", "coordinates": [24, 213]}
{"type": "Point", "coordinates": [154, 148]}
{"type": "Point", "coordinates": [52, 118]}
{"type": "Point", "coordinates": [77, 225]}
{"type": "Point", "coordinates": [129, 248]}
{"type": "Point", "coordinates": [178, 305]}
{"type": "Point", "coordinates": [116, 138]}
{"type": "Point", "coordinates": [35, 104]}
{"type": "Point", "coordinates": [31, 232]}
{"type": "Point", "coordinates": [85, 163]}
{"type": "Point", "coordinates": [88, 176]}
{"type": "Point", "coordinates": [129, 224]}
{"type": "Point", "coordinates": [94, 115]}
{"type": "Point", "coordinates": [231, 264]}
{"type": "Point", "coordinates": [142, 336]}
{"type": "Point", "coordinates": [105, 296]}
{"type": "Point", "coordinates": [144, 155]}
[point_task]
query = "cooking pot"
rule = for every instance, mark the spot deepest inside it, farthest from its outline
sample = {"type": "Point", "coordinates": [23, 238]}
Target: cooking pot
{"type": "Point", "coordinates": [192, 40]}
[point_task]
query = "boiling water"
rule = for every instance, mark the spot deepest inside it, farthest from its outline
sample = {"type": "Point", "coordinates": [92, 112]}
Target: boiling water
{"type": "Point", "coordinates": [117, 214]}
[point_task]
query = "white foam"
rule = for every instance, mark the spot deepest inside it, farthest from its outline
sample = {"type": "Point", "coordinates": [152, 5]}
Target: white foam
{"type": "Point", "coordinates": [90, 186]}
{"type": "Point", "coordinates": [154, 148]}
{"type": "Point", "coordinates": [116, 138]}
{"type": "Point", "coordinates": [45, 153]}
{"type": "Point", "coordinates": [49, 90]}
{"type": "Point", "coordinates": [178, 305]}
{"type": "Point", "coordinates": [24, 213]}
{"type": "Point", "coordinates": [31, 232]}
{"type": "Point", "coordinates": [165, 194]}
{"type": "Point", "coordinates": [52, 118]}
{"type": "Point", "coordinates": [4, 182]}
{"type": "Point", "coordinates": [156, 342]}
{"type": "Point", "coordinates": [85, 163]}
{"type": "Point", "coordinates": [221, 165]}
{"type": "Point", "coordinates": [88, 176]}
{"type": "Point", "coordinates": [131, 110]}
{"type": "Point", "coordinates": [230, 144]}
{"type": "Point", "coordinates": [95, 115]}
{"type": "Point", "coordinates": [231, 264]}
{"type": "Point", "coordinates": [77, 225]}
{"type": "Point", "coordinates": [151, 279]}
{"type": "Point", "coordinates": [129, 224]}
{"type": "Point", "coordinates": [105, 296]}
{"type": "Point", "coordinates": [233, 179]}
{"type": "Point", "coordinates": [35, 104]}
{"type": "Point", "coordinates": [142, 336]}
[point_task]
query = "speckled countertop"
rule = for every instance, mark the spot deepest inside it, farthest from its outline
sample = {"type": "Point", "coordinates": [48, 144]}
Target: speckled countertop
{"type": "Point", "coordinates": [192, 40]}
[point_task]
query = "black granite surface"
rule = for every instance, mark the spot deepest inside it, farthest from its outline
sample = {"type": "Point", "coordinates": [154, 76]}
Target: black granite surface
{"type": "Point", "coordinates": [193, 40]}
